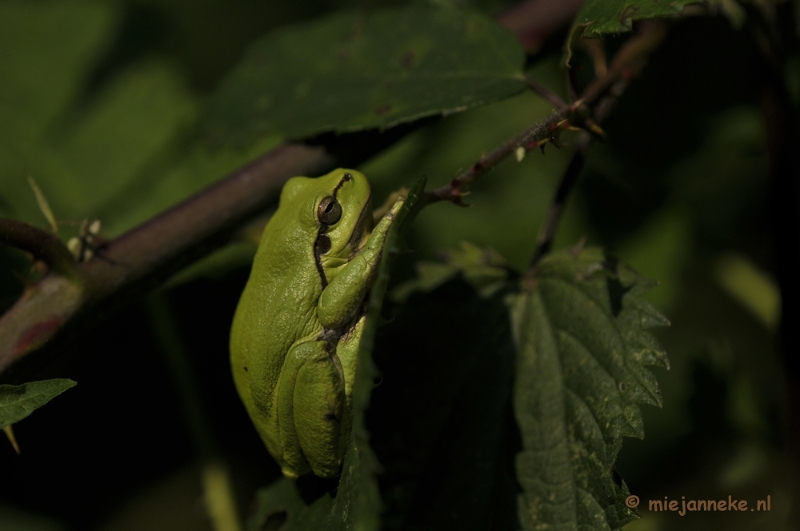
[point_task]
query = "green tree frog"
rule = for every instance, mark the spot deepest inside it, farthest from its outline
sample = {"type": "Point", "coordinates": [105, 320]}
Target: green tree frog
{"type": "Point", "coordinates": [299, 321]}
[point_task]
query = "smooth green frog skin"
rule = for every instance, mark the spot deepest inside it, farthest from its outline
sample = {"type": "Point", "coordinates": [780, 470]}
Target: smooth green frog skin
{"type": "Point", "coordinates": [298, 324]}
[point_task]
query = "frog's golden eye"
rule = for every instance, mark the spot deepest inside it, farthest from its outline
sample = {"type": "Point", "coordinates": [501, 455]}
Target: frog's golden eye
{"type": "Point", "coordinates": [329, 211]}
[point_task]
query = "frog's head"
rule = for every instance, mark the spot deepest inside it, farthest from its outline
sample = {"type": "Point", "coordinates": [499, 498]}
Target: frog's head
{"type": "Point", "coordinates": [336, 208]}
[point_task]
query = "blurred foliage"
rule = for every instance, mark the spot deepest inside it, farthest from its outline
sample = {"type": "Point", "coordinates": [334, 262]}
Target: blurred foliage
{"type": "Point", "coordinates": [19, 401]}
{"type": "Point", "coordinates": [602, 17]}
{"type": "Point", "coordinates": [116, 150]}
{"type": "Point", "coordinates": [373, 69]}
{"type": "Point", "coordinates": [99, 104]}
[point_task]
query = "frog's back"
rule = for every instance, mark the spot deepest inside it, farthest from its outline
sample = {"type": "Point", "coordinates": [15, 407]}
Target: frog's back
{"type": "Point", "coordinates": [278, 308]}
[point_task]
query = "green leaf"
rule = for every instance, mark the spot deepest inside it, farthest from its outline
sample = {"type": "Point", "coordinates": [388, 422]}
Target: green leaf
{"type": "Point", "coordinates": [601, 17]}
{"type": "Point", "coordinates": [19, 401]}
{"type": "Point", "coordinates": [582, 345]}
{"type": "Point", "coordinates": [48, 47]}
{"type": "Point", "coordinates": [357, 503]}
{"type": "Point", "coordinates": [360, 70]}
{"type": "Point", "coordinates": [483, 269]}
{"type": "Point", "coordinates": [119, 152]}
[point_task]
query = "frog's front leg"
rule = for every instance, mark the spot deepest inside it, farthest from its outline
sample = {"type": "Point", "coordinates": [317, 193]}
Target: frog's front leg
{"type": "Point", "coordinates": [341, 299]}
{"type": "Point", "coordinates": [311, 404]}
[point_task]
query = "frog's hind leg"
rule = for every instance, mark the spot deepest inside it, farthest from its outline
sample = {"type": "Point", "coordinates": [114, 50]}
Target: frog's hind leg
{"type": "Point", "coordinates": [318, 407]}
{"type": "Point", "coordinates": [309, 398]}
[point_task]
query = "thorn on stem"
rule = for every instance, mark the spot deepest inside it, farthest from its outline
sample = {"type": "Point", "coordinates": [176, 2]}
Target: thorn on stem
{"type": "Point", "coordinates": [13, 440]}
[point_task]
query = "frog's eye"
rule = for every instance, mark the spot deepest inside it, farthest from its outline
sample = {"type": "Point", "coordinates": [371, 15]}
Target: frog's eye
{"type": "Point", "coordinates": [329, 211]}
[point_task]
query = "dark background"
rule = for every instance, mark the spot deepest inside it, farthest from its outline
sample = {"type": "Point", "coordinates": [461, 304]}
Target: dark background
{"type": "Point", "coordinates": [681, 191]}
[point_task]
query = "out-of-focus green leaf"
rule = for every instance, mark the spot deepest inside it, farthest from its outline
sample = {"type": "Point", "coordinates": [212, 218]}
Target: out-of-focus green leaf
{"type": "Point", "coordinates": [357, 503]}
{"type": "Point", "coordinates": [582, 347]}
{"type": "Point", "coordinates": [483, 269]}
{"type": "Point", "coordinates": [102, 156]}
{"type": "Point", "coordinates": [19, 401]}
{"type": "Point", "coordinates": [366, 69]}
{"type": "Point", "coordinates": [752, 287]}
{"type": "Point", "coordinates": [660, 247]}
{"type": "Point", "coordinates": [118, 152]}
{"type": "Point", "coordinates": [722, 178]}
{"type": "Point", "coordinates": [733, 10]}
{"type": "Point", "coordinates": [48, 49]}
{"type": "Point", "coordinates": [601, 17]}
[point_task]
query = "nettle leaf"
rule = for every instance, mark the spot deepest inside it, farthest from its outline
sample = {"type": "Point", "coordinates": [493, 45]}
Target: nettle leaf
{"type": "Point", "coordinates": [19, 401]}
{"type": "Point", "coordinates": [357, 503]}
{"type": "Point", "coordinates": [358, 70]}
{"type": "Point", "coordinates": [582, 345]}
{"type": "Point", "coordinates": [601, 17]}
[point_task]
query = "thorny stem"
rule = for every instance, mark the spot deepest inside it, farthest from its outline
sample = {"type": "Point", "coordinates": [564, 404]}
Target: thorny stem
{"type": "Point", "coordinates": [628, 61]}
{"type": "Point", "coordinates": [567, 183]}
{"type": "Point", "coordinates": [528, 139]}
{"type": "Point", "coordinates": [58, 309]}
{"type": "Point", "coordinates": [136, 261]}
{"type": "Point", "coordinates": [546, 93]}
{"type": "Point", "coordinates": [597, 52]}
{"type": "Point", "coordinates": [550, 224]}
{"type": "Point", "coordinates": [52, 312]}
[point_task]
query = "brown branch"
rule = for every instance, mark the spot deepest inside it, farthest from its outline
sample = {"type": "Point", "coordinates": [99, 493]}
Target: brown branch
{"type": "Point", "coordinates": [57, 309]}
{"type": "Point", "coordinates": [557, 206]}
{"type": "Point", "coordinates": [546, 93]}
{"type": "Point", "coordinates": [638, 51]}
{"type": "Point", "coordinates": [528, 139]}
{"type": "Point", "coordinates": [145, 257]}
{"type": "Point", "coordinates": [42, 245]}
{"type": "Point", "coordinates": [628, 62]}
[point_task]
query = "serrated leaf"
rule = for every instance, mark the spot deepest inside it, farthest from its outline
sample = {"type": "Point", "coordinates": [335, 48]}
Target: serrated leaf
{"type": "Point", "coordinates": [357, 503]}
{"type": "Point", "coordinates": [602, 17]}
{"type": "Point", "coordinates": [361, 70]}
{"type": "Point", "coordinates": [19, 401]}
{"type": "Point", "coordinates": [582, 345]}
